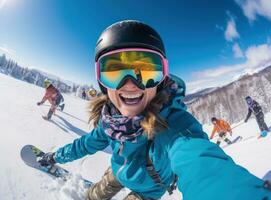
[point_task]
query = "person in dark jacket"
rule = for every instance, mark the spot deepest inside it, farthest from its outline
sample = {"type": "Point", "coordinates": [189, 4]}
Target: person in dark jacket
{"type": "Point", "coordinates": [256, 109]}
{"type": "Point", "coordinates": [55, 98]}
{"type": "Point", "coordinates": [84, 94]}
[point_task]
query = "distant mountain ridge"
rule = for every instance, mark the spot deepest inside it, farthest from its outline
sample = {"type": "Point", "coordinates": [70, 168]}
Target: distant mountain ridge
{"type": "Point", "coordinates": [228, 102]}
{"type": "Point", "coordinates": [192, 97]}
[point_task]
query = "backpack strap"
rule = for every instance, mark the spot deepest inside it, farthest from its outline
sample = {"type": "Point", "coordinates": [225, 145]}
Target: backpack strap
{"type": "Point", "coordinates": [154, 175]}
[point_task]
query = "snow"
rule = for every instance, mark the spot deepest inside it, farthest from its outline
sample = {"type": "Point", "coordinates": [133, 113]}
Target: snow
{"type": "Point", "coordinates": [21, 124]}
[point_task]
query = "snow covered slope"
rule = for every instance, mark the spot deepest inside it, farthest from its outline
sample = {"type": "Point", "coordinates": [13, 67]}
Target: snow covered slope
{"type": "Point", "coordinates": [21, 123]}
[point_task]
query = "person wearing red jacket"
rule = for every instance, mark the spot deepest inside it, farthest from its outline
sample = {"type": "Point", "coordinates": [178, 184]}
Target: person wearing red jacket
{"type": "Point", "coordinates": [222, 127]}
{"type": "Point", "coordinates": [53, 95]}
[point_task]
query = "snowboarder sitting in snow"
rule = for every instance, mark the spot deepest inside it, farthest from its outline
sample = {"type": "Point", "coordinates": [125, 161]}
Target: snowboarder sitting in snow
{"type": "Point", "coordinates": [256, 109]}
{"type": "Point", "coordinates": [53, 96]}
{"type": "Point", "coordinates": [153, 138]}
{"type": "Point", "coordinates": [222, 127]}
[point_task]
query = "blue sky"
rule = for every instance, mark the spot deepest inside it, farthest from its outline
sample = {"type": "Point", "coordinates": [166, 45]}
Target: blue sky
{"type": "Point", "coordinates": [208, 42]}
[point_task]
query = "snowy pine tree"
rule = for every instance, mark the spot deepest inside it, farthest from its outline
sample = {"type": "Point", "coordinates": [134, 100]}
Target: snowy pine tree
{"type": "Point", "coordinates": [11, 68]}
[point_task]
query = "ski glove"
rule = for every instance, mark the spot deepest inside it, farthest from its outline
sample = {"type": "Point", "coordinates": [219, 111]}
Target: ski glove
{"type": "Point", "coordinates": [267, 185]}
{"type": "Point", "coordinates": [39, 103]}
{"type": "Point", "coordinates": [47, 159]}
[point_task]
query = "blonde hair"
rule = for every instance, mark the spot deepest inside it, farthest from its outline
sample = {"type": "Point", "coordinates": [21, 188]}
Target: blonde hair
{"type": "Point", "coordinates": [152, 122]}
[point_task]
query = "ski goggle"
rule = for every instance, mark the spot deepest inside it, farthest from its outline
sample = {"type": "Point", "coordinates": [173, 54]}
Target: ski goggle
{"type": "Point", "coordinates": [146, 68]}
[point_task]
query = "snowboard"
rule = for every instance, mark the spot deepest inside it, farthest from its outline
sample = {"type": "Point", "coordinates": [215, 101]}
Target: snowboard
{"type": "Point", "coordinates": [238, 138]}
{"type": "Point", "coordinates": [46, 118]}
{"type": "Point", "coordinates": [31, 154]}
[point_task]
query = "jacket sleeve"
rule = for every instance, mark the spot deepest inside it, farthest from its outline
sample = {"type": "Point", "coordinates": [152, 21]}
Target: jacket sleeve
{"type": "Point", "coordinates": [206, 172]}
{"type": "Point", "coordinates": [88, 144]}
{"type": "Point", "coordinates": [46, 96]}
{"type": "Point", "coordinates": [213, 132]}
{"type": "Point", "coordinates": [248, 114]}
{"type": "Point", "coordinates": [258, 106]}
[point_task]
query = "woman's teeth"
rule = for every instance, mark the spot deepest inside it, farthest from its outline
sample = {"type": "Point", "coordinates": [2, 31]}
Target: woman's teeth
{"type": "Point", "coordinates": [131, 99]}
{"type": "Point", "coordinates": [131, 96]}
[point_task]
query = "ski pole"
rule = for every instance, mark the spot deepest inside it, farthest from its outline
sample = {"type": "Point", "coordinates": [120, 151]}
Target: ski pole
{"type": "Point", "coordinates": [237, 125]}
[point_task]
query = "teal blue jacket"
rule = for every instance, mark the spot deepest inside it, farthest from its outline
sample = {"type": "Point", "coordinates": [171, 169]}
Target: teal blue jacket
{"type": "Point", "coordinates": [203, 168]}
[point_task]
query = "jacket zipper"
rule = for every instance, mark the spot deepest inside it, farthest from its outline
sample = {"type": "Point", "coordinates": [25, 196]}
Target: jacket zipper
{"type": "Point", "coordinates": [125, 160]}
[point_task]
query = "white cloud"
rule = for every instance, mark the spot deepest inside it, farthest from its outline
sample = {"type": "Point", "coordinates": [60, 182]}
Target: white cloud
{"type": "Point", "coordinates": [217, 72]}
{"type": "Point", "coordinates": [257, 57]}
{"type": "Point", "coordinates": [197, 82]}
{"type": "Point", "coordinates": [252, 8]}
{"type": "Point", "coordinates": [195, 86]}
{"type": "Point", "coordinates": [2, 3]}
{"type": "Point", "coordinates": [231, 32]}
{"type": "Point", "coordinates": [238, 53]}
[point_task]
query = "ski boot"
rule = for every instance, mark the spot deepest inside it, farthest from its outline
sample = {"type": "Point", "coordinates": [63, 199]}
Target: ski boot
{"type": "Point", "coordinates": [62, 106]}
{"type": "Point", "coordinates": [49, 115]}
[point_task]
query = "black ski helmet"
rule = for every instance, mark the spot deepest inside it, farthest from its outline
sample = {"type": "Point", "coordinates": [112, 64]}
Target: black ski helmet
{"type": "Point", "coordinates": [128, 33]}
{"type": "Point", "coordinates": [125, 34]}
{"type": "Point", "coordinates": [248, 99]}
{"type": "Point", "coordinates": [213, 119]}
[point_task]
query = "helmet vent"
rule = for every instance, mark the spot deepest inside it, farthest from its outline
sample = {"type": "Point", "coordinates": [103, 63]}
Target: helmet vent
{"type": "Point", "coordinates": [99, 41]}
{"type": "Point", "coordinates": [154, 37]}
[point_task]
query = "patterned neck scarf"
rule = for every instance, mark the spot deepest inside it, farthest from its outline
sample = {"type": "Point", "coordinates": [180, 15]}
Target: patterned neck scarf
{"type": "Point", "coordinates": [120, 127]}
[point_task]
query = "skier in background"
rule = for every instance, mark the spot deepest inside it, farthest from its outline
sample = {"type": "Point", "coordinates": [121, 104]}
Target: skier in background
{"type": "Point", "coordinates": [55, 98]}
{"type": "Point", "coordinates": [222, 127]}
{"type": "Point", "coordinates": [92, 93]}
{"type": "Point", "coordinates": [256, 109]}
{"type": "Point", "coordinates": [84, 94]}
